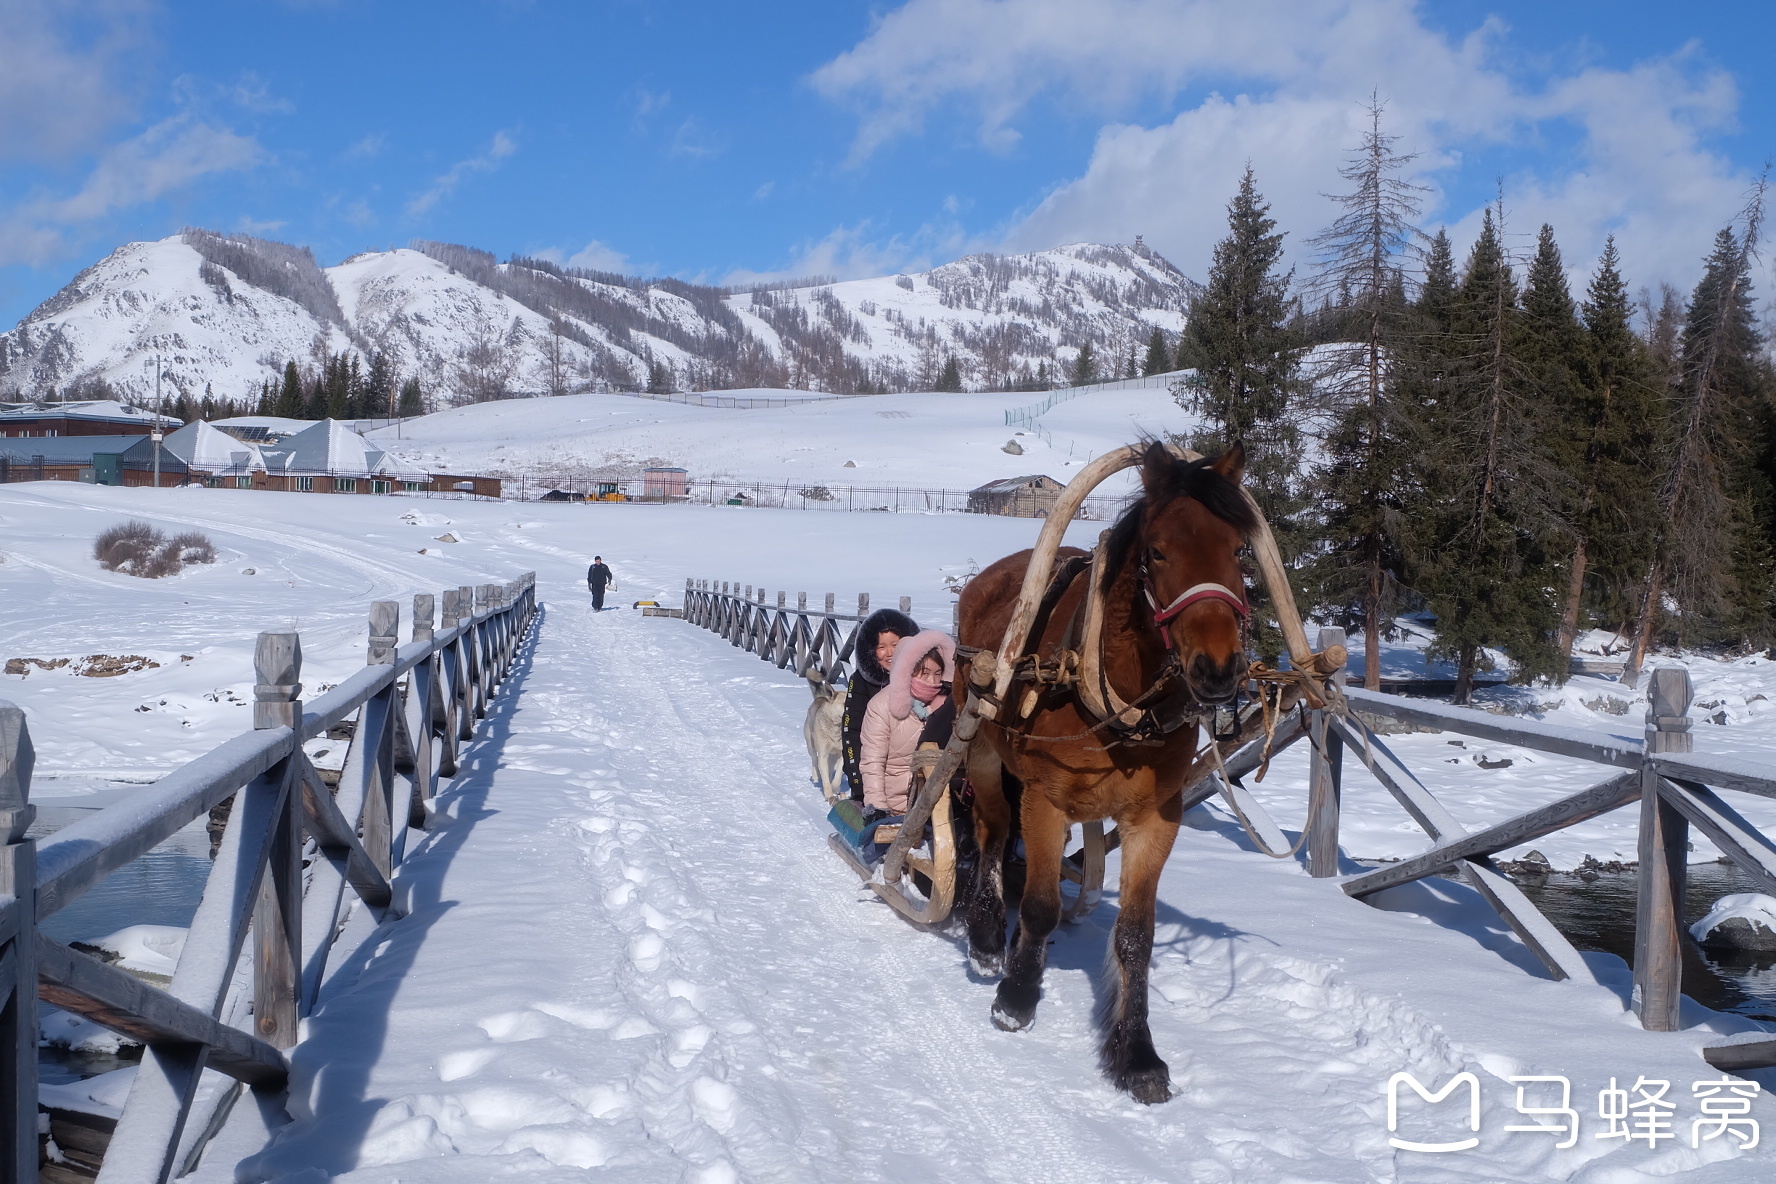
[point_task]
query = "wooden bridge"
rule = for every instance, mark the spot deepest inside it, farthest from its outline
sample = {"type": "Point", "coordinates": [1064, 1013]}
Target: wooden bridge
{"type": "Point", "coordinates": [225, 1021]}
{"type": "Point", "coordinates": [1656, 772]}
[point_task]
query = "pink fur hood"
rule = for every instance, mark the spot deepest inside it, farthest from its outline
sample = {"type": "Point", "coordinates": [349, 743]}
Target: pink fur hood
{"type": "Point", "coordinates": [906, 656]}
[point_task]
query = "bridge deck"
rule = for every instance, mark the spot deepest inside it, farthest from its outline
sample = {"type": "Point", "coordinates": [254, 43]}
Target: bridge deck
{"type": "Point", "coordinates": [628, 947]}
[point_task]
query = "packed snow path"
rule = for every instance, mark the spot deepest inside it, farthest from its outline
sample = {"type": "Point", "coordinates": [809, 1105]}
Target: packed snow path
{"type": "Point", "coordinates": [629, 948]}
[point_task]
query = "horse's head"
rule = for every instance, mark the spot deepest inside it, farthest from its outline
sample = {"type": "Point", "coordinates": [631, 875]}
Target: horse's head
{"type": "Point", "coordinates": [1183, 538]}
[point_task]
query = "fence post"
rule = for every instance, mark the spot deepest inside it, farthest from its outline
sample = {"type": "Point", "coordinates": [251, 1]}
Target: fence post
{"type": "Point", "coordinates": [1325, 781]}
{"type": "Point", "coordinates": [1664, 847]}
{"type": "Point", "coordinates": [375, 733]}
{"type": "Point", "coordinates": [18, 953]}
{"type": "Point", "coordinates": [863, 604]}
{"type": "Point", "coordinates": [422, 686]}
{"type": "Point", "coordinates": [277, 913]}
{"type": "Point", "coordinates": [906, 605]}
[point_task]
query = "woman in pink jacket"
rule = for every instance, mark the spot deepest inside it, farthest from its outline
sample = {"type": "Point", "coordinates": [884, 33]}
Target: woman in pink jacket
{"type": "Point", "coordinates": [918, 683]}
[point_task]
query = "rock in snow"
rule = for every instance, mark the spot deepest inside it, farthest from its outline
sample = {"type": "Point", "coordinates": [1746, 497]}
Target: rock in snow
{"type": "Point", "coordinates": [1742, 921]}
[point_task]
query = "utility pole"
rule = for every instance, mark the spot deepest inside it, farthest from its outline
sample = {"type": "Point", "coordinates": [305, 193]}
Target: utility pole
{"type": "Point", "coordinates": [154, 432]}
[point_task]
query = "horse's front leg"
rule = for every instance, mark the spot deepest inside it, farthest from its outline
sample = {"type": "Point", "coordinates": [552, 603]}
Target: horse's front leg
{"type": "Point", "coordinates": [992, 828]}
{"type": "Point", "coordinates": [1128, 1053]}
{"type": "Point", "coordinates": [1045, 838]}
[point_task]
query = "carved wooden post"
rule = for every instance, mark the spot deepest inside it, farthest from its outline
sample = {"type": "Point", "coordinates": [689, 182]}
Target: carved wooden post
{"type": "Point", "coordinates": [830, 599]}
{"type": "Point", "coordinates": [469, 664]}
{"type": "Point", "coordinates": [277, 913]}
{"type": "Point", "coordinates": [420, 709]}
{"type": "Point", "coordinates": [906, 605]}
{"type": "Point", "coordinates": [447, 699]}
{"type": "Point", "coordinates": [483, 655]}
{"type": "Point", "coordinates": [1664, 860]}
{"type": "Point", "coordinates": [1325, 781]}
{"type": "Point", "coordinates": [18, 952]}
{"type": "Point", "coordinates": [863, 604]}
{"type": "Point", "coordinates": [375, 734]}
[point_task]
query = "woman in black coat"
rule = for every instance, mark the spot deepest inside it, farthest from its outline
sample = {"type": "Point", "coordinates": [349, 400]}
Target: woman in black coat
{"type": "Point", "coordinates": [882, 630]}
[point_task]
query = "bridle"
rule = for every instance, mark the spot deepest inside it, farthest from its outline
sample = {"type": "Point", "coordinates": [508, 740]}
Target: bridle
{"type": "Point", "coordinates": [1195, 594]}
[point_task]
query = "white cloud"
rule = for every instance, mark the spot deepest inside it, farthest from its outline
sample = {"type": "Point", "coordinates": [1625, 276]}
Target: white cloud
{"type": "Point", "coordinates": [852, 252]}
{"type": "Point", "coordinates": [596, 256]}
{"type": "Point", "coordinates": [367, 148]}
{"type": "Point", "coordinates": [443, 186]}
{"type": "Point", "coordinates": [65, 73]}
{"type": "Point", "coordinates": [249, 225]}
{"type": "Point", "coordinates": [160, 161]}
{"type": "Point", "coordinates": [1290, 80]}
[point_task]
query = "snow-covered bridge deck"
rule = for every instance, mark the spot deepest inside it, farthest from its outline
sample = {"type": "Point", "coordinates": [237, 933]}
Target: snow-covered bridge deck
{"type": "Point", "coordinates": [628, 949]}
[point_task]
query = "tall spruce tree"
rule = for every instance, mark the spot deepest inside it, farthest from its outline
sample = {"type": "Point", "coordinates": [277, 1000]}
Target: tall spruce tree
{"type": "Point", "coordinates": [1245, 357]}
{"type": "Point", "coordinates": [1373, 435]}
{"type": "Point", "coordinates": [950, 381]}
{"type": "Point", "coordinates": [1085, 366]}
{"type": "Point", "coordinates": [1609, 440]}
{"type": "Point", "coordinates": [291, 403]}
{"type": "Point", "coordinates": [1487, 568]}
{"type": "Point", "coordinates": [380, 383]}
{"type": "Point", "coordinates": [412, 399]}
{"type": "Point", "coordinates": [1159, 358]}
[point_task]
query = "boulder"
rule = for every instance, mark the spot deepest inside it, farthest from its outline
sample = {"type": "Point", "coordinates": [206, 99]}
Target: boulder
{"type": "Point", "coordinates": [1742, 921]}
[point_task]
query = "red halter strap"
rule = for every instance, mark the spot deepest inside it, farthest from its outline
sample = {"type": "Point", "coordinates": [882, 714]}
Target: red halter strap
{"type": "Point", "coordinates": [1193, 595]}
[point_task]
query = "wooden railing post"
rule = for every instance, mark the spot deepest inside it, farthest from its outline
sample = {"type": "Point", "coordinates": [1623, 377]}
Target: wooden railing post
{"type": "Point", "coordinates": [422, 690]}
{"type": "Point", "coordinates": [18, 951]}
{"type": "Point", "coordinates": [468, 664]}
{"type": "Point", "coordinates": [277, 915]}
{"type": "Point", "coordinates": [1325, 781]}
{"type": "Point", "coordinates": [374, 738]}
{"type": "Point", "coordinates": [1664, 860]}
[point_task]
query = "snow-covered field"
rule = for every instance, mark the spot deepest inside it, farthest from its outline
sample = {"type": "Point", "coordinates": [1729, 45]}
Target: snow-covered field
{"type": "Point", "coordinates": [630, 950]}
{"type": "Point", "coordinates": [929, 441]}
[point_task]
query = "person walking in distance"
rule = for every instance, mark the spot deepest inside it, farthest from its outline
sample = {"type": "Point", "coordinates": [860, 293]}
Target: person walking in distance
{"type": "Point", "coordinates": [598, 579]}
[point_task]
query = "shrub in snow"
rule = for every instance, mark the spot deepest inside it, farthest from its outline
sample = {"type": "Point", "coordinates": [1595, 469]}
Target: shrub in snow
{"type": "Point", "coordinates": [138, 549]}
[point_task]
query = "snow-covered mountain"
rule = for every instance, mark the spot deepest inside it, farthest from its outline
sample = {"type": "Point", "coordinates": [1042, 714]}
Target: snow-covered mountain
{"type": "Point", "coordinates": [225, 312]}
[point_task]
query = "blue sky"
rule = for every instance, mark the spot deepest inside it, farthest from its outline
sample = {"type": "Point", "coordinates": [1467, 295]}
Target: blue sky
{"type": "Point", "coordinates": [723, 142]}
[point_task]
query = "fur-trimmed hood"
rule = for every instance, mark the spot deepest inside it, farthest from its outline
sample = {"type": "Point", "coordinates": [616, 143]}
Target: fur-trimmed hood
{"type": "Point", "coordinates": [883, 620]}
{"type": "Point", "coordinates": [908, 655]}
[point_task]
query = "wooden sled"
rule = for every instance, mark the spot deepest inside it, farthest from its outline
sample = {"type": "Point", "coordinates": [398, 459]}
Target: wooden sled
{"type": "Point", "coordinates": [1084, 869]}
{"type": "Point", "coordinates": [936, 861]}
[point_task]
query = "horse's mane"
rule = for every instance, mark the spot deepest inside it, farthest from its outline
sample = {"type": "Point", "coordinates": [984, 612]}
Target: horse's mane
{"type": "Point", "coordinates": [1183, 478]}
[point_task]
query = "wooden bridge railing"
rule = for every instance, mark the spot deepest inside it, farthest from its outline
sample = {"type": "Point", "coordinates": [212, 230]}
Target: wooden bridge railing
{"type": "Point", "coordinates": [414, 705]}
{"type": "Point", "coordinates": [816, 643]}
{"type": "Point", "coordinates": [1673, 788]}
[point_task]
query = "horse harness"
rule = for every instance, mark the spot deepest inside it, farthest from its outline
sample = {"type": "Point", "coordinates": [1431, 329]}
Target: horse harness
{"type": "Point", "coordinates": [1161, 709]}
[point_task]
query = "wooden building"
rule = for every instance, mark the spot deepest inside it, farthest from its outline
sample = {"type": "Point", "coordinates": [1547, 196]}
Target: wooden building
{"type": "Point", "coordinates": [662, 483]}
{"type": "Point", "coordinates": [1016, 497]}
{"type": "Point", "coordinates": [92, 417]}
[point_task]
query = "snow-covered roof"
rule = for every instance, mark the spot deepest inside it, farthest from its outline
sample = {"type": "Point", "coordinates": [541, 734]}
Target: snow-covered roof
{"type": "Point", "coordinates": [1015, 484]}
{"type": "Point", "coordinates": [107, 410]}
{"type": "Point", "coordinates": [332, 448]}
{"type": "Point", "coordinates": [202, 446]}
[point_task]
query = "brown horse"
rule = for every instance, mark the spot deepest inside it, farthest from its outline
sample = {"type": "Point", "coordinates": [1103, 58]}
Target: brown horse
{"type": "Point", "coordinates": [1174, 633]}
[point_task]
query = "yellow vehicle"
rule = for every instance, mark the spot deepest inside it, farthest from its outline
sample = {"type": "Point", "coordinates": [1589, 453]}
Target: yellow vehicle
{"type": "Point", "coordinates": [607, 492]}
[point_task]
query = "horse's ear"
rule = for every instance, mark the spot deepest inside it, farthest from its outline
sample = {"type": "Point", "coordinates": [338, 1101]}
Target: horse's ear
{"type": "Point", "coordinates": [1232, 463]}
{"type": "Point", "coordinates": [1157, 468]}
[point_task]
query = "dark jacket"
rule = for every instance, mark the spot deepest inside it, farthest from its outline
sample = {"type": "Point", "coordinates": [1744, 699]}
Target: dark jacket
{"type": "Point", "coordinates": [867, 678]}
{"type": "Point", "coordinates": [597, 576]}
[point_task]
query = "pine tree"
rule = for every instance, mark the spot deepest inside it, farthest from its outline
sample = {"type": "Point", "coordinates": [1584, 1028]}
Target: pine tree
{"type": "Point", "coordinates": [1159, 358]}
{"type": "Point", "coordinates": [950, 381]}
{"type": "Point", "coordinates": [1486, 568]}
{"type": "Point", "coordinates": [1373, 438]}
{"type": "Point", "coordinates": [1085, 366]}
{"type": "Point", "coordinates": [412, 400]}
{"type": "Point", "coordinates": [1608, 440]}
{"type": "Point", "coordinates": [1238, 341]}
{"type": "Point", "coordinates": [380, 382]}
{"type": "Point", "coordinates": [292, 403]}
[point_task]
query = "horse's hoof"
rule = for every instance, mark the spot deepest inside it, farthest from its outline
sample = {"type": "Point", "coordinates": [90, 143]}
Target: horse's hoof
{"type": "Point", "coordinates": [1014, 1008]}
{"type": "Point", "coordinates": [987, 966]}
{"type": "Point", "coordinates": [1150, 1086]}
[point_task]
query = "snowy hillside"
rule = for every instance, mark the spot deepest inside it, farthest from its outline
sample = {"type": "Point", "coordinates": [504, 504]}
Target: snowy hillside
{"type": "Point", "coordinates": [226, 312]}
